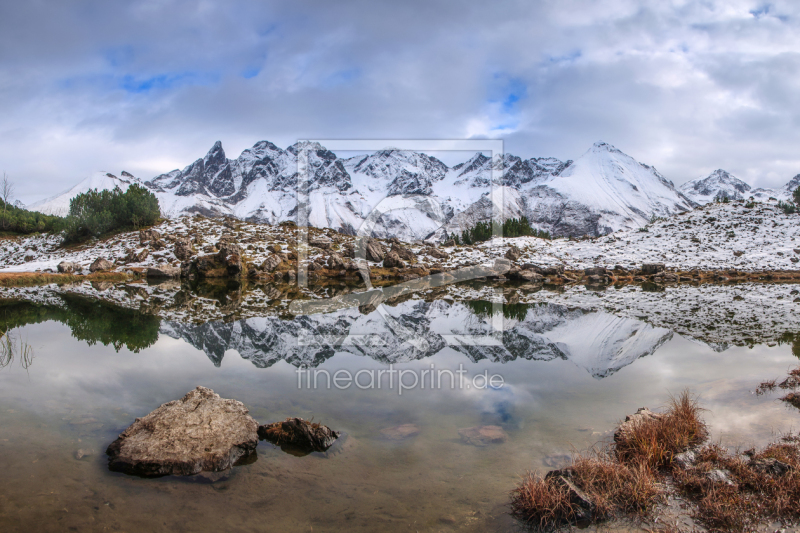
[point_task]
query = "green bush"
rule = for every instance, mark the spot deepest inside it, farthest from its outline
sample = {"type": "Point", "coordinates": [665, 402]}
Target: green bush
{"type": "Point", "coordinates": [513, 227]}
{"type": "Point", "coordinates": [788, 207]}
{"type": "Point", "coordinates": [95, 213]}
{"type": "Point", "coordinates": [17, 220]}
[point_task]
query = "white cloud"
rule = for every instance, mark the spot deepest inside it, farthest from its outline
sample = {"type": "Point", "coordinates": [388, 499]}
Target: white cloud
{"type": "Point", "coordinates": [686, 86]}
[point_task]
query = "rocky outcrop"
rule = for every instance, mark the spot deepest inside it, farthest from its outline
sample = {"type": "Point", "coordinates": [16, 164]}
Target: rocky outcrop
{"type": "Point", "coordinates": [100, 264]}
{"type": "Point", "coordinates": [298, 435]}
{"type": "Point", "coordinates": [392, 260]}
{"type": "Point", "coordinates": [199, 432]}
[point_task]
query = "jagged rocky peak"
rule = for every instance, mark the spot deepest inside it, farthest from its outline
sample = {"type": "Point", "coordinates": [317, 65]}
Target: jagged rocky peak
{"type": "Point", "coordinates": [716, 186]}
{"type": "Point", "coordinates": [388, 164]}
{"type": "Point", "coordinates": [306, 145]}
{"type": "Point", "coordinates": [793, 184]}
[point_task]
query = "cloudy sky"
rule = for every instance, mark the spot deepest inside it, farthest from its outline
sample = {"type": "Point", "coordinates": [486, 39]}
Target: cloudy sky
{"type": "Point", "coordinates": [148, 86]}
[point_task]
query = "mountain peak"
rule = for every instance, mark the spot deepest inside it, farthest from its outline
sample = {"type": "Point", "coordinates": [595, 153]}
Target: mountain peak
{"type": "Point", "coordinates": [305, 145]}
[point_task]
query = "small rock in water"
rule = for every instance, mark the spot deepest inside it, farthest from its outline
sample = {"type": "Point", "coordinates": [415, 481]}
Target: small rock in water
{"type": "Point", "coordinates": [400, 432]}
{"type": "Point", "coordinates": [81, 453]}
{"type": "Point", "coordinates": [298, 436]}
{"type": "Point", "coordinates": [201, 431]}
{"type": "Point", "coordinates": [483, 435]}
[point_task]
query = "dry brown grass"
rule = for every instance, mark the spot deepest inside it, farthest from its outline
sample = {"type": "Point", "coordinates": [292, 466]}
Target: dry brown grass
{"type": "Point", "coordinates": [656, 442]}
{"type": "Point", "coordinates": [26, 279]}
{"type": "Point", "coordinates": [539, 502]}
{"type": "Point", "coordinates": [613, 487]}
{"type": "Point", "coordinates": [766, 386]}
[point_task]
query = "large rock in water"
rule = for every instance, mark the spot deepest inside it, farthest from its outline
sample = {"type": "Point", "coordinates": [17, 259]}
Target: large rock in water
{"type": "Point", "coordinates": [199, 432]}
{"type": "Point", "coordinates": [298, 436]}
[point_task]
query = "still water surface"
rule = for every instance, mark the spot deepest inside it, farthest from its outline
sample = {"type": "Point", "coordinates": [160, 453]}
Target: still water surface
{"type": "Point", "coordinates": [79, 394]}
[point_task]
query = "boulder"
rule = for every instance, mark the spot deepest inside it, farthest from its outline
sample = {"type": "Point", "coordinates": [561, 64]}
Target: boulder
{"type": "Point", "coordinates": [100, 264]}
{"type": "Point", "coordinates": [501, 265]}
{"type": "Point", "coordinates": [552, 270]}
{"type": "Point", "coordinates": [392, 260]}
{"type": "Point", "coordinates": [374, 251]}
{"type": "Point", "coordinates": [135, 256]}
{"type": "Point", "coordinates": [404, 253]}
{"type": "Point", "coordinates": [685, 460]}
{"type": "Point", "coordinates": [271, 263]}
{"type": "Point", "coordinates": [448, 243]}
{"type": "Point", "coordinates": [652, 268]}
{"type": "Point", "coordinates": [295, 435]}
{"type": "Point", "coordinates": [513, 253]}
{"type": "Point", "coordinates": [147, 236]}
{"type": "Point", "coordinates": [643, 415]}
{"type": "Point", "coordinates": [164, 271]}
{"type": "Point", "coordinates": [199, 432]}
{"type": "Point", "coordinates": [227, 248]}
{"type": "Point", "coordinates": [275, 248]}
{"type": "Point", "coordinates": [436, 253]}
{"type": "Point", "coordinates": [68, 267]}
{"type": "Point", "coordinates": [483, 435]}
{"type": "Point", "coordinates": [335, 262]}
{"type": "Point", "coordinates": [183, 249]}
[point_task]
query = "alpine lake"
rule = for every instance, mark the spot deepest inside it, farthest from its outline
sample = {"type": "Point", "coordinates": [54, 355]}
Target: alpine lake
{"type": "Point", "coordinates": [554, 373]}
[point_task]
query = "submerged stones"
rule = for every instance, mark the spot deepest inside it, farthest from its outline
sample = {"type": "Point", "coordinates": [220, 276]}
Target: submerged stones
{"type": "Point", "coordinates": [483, 435]}
{"type": "Point", "coordinates": [400, 432]}
{"type": "Point", "coordinates": [199, 432]}
{"type": "Point", "coordinates": [298, 436]}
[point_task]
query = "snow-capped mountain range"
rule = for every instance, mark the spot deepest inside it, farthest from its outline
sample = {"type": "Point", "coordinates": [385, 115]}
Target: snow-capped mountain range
{"type": "Point", "coordinates": [602, 191]}
{"type": "Point", "coordinates": [721, 184]}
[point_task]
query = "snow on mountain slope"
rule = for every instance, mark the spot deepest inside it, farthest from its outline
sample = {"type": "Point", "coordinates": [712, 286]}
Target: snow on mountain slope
{"type": "Point", "coordinates": [603, 191]}
{"type": "Point", "coordinates": [59, 204]}
{"type": "Point", "coordinates": [716, 186]}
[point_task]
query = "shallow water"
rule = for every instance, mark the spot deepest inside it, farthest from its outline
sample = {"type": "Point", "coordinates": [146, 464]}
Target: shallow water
{"type": "Point", "coordinates": [79, 394]}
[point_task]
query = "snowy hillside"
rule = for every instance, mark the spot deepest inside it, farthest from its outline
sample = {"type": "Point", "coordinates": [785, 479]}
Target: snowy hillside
{"type": "Point", "coordinates": [716, 186]}
{"type": "Point", "coordinates": [603, 191]}
{"type": "Point", "coordinates": [59, 204]}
